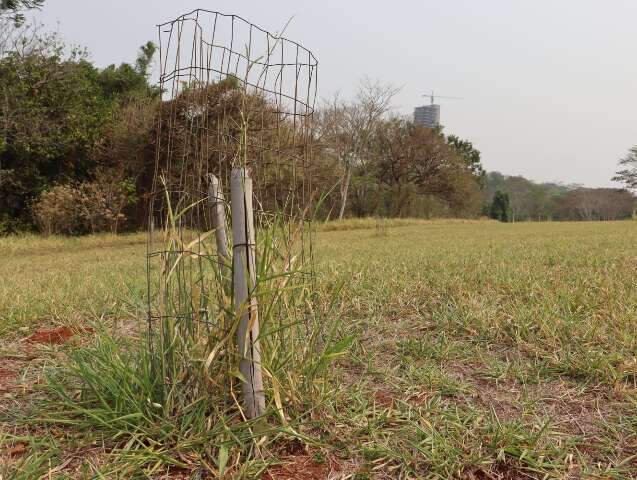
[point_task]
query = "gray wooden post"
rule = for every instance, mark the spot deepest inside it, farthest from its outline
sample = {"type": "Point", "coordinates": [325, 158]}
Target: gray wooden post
{"type": "Point", "coordinates": [218, 213]}
{"type": "Point", "coordinates": [245, 302]}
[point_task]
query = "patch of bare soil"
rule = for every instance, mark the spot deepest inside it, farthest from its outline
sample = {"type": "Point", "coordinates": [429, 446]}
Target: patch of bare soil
{"type": "Point", "coordinates": [384, 398]}
{"type": "Point", "coordinates": [56, 336]}
{"type": "Point", "coordinates": [498, 471]}
{"type": "Point", "coordinates": [502, 397]}
{"type": "Point", "coordinates": [17, 449]}
{"type": "Point", "coordinates": [419, 398]}
{"type": "Point", "coordinates": [12, 454]}
{"type": "Point", "coordinates": [571, 409]}
{"type": "Point", "coordinates": [302, 467]}
{"type": "Point", "coordinates": [7, 378]}
{"type": "Point", "coordinates": [297, 462]}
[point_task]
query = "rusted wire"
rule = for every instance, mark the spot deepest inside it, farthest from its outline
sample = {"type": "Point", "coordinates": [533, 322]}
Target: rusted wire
{"type": "Point", "coordinates": [232, 94]}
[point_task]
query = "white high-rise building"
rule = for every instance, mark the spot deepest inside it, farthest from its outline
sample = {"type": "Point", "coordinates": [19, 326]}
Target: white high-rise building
{"type": "Point", "coordinates": [427, 115]}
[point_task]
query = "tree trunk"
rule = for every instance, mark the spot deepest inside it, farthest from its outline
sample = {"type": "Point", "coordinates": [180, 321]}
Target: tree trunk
{"type": "Point", "coordinates": [344, 190]}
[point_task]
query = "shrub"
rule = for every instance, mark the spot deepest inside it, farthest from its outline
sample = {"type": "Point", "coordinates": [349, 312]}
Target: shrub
{"type": "Point", "coordinates": [56, 211]}
{"type": "Point", "coordinates": [102, 202]}
{"type": "Point", "coordinates": [167, 399]}
{"type": "Point", "coordinates": [10, 225]}
{"type": "Point", "coordinates": [88, 207]}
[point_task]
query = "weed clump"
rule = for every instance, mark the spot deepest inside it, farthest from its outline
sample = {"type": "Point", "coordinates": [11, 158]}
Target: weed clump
{"type": "Point", "coordinates": [171, 397]}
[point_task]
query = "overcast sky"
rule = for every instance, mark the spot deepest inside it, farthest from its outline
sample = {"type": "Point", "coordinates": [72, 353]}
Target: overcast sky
{"type": "Point", "coordinates": [549, 87]}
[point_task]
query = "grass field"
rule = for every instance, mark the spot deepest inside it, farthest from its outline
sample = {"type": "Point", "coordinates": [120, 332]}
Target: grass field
{"type": "Point", "coordinates": [483, 350]}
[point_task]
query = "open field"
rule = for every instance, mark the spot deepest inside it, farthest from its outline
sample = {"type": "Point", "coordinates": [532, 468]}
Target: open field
{"type": "Point", "coordinates": [483, 350]}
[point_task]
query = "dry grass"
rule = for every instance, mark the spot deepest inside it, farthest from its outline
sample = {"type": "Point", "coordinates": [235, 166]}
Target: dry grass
{"type": "Point", "coordinates": [483, 350]}
{"type": "Point", "coordinates": [374, 222]}
{"type": "Point", "coordinates": [58, 280]}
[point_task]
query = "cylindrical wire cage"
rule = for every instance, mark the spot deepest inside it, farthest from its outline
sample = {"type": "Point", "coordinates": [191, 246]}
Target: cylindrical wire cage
{"type": "Point", "coordinates": [232, 96]}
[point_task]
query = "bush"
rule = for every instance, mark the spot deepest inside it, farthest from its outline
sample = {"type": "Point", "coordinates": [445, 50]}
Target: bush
{"type": "Point", "coordinates": [88, 207]}
{"type": "Point", "coordinates": [56, 211]}
{"type": "Point", "coordinates": [102, 203]}
{"type": "Point", "coordinates": [10, 225]}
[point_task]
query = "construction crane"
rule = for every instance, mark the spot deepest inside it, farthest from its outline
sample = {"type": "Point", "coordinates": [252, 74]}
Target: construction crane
{"type": "Point", "coordinates": [429, 115]}
{"type": "Point", "coordinates": [432, 97]}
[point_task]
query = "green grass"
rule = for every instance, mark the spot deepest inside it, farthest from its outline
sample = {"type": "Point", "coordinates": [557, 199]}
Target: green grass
{"type": "Point", "coordinates": [483, 350]}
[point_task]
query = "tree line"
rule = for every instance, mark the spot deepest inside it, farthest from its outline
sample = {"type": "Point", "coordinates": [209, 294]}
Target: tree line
{"type": "Point", "coordinates": [70, 133]}
{"type": "Point", "coordinates": [77, 144]}
{"type": "Point", "coordinates": [386, 165]}
{"type": "Point", "coordinates": [77, 149]}
{"type": "Point", "coordinates": [514, 198]}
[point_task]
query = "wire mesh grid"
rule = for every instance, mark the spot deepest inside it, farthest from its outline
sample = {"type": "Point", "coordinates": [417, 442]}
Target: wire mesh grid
{"type": "Point", "coordinates": [232, 95]}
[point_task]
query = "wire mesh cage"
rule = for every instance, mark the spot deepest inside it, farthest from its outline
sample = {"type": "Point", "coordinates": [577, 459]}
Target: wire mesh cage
{"type": "Point", "coordinates": [235, 100]}
{"type": "Point", "coordinates": [234, 94]}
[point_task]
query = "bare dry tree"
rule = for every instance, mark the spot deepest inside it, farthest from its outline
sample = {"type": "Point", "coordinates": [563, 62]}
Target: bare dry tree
{"type": "Point", "coordinates": [345, 128]}
{"type": "Point", "coordinates": [596, 204]}
{"type": "Point", "coordinates": [25, 39]}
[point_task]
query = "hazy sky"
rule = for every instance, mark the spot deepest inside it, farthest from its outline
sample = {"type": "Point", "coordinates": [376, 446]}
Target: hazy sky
{"type": "Point", "coordinates": [549, 87]}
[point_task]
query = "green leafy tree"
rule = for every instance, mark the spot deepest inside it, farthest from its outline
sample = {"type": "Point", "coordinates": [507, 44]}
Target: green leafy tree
{"type": "Point", "coordinates": [628, 174]}
{"type": "Point", "coordinates": [15, 8]}
{"type": "Point", "coordinates": [54, 111]}
{"type": "Point", "coordinates": [529, 200]}
{"type": "Point", "coordinates": [468, 153]}
{"type": "Point", "coordinates": [500, 207]}
{"type": "Point", "coordinates": [126, 80]}
{"type": "Point", "coordinates": [145, 58]}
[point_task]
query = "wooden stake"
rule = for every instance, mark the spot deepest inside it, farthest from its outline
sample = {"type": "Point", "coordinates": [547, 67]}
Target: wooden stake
{"type": "Point", "coordinates": [215, 192]}
{"type": "Point", "coordinates": [245, 302]}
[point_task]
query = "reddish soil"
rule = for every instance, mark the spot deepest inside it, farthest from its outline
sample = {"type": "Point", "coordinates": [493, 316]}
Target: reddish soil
{"type": "Point", "coordinates": [291, 448]}
{"type": "Point", "coordinates": [419, 398]}
{"type": "Point", "coordinates": [56, 335]}
{"type": "Point", "coordinates": [301, 466]}
{"type": "Point", "coordinates": [298, 467]}
{"type": "Point", "coordinates": [384, 398]}
{"type": "Point", "coordinates": [499, 471]}
{"type": "Point", "coordinates": [6, 378]}
{"type": "Point", "coordinates": [18, 449]}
